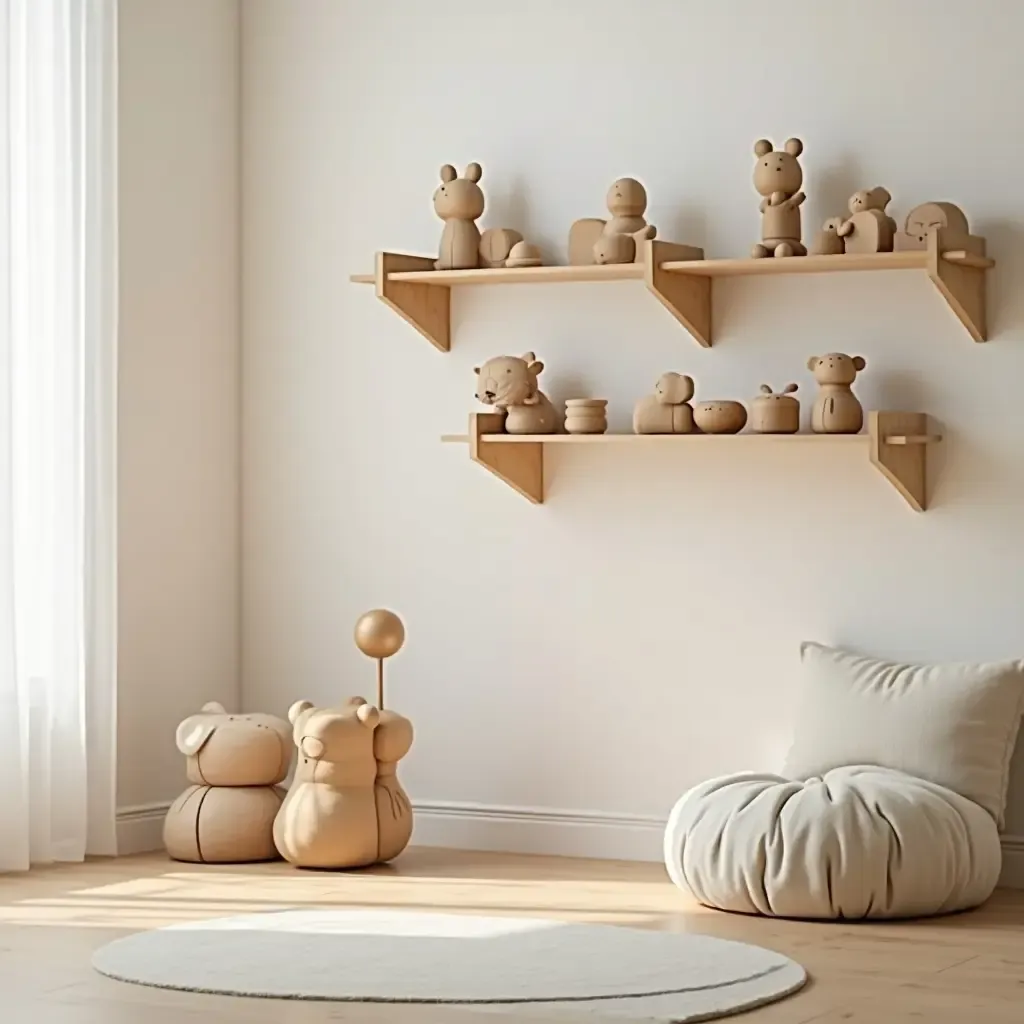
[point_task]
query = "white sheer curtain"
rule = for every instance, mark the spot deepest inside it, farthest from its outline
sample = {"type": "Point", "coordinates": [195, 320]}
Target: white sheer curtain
{"type": "Point", "coordinates": [57, 430]}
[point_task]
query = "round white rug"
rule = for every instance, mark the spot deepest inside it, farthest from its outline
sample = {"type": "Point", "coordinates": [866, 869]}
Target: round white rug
{"type": "Point", "coordinates": [493, 963]}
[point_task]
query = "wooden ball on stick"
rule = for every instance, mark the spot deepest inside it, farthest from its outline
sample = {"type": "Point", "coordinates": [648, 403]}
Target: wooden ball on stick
{"type": "Point", "coordinates": [379, 634]}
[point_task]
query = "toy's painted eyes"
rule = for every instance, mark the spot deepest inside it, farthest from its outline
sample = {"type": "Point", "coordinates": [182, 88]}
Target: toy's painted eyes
{"type": "Point", "coordinates": [509, 370]}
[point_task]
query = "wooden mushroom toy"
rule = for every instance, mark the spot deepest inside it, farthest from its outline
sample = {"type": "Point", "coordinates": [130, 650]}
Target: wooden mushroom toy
{"type": "Point", "coordinates": [836, 409]}
{"type": "Point", "coordinates": [720, 417]}
{"type": "Point", "coordinates": [772, 413]}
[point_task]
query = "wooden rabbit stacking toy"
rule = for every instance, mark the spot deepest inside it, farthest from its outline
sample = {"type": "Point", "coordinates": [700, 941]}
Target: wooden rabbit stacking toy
{"type": "Point", "coordinates": [778, 177]}
{"type": "Point", "coordinates": [772, 413]}
{"type": "Point", "coordinates": [459, 202]}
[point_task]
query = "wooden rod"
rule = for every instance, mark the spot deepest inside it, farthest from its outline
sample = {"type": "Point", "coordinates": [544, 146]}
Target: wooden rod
{"type": "Point", "coordinates": [913, 438]}
{"type": "Point", "coordinates": [380, 684]}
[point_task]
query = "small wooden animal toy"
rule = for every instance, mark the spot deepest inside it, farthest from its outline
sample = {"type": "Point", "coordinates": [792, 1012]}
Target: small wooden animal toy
{"type": "Point", "coordinates": [459, 202]}
{"type": "Point", "coordinates": [722, 417]}
{"type": "Point", "coordinates": [496, 245]}
{"type": "Point", "coordinates": [778, 177]}
{"type": "Point", "coordinates": [509, 383]}
{"type": "Point", "coordinates": [523, 254]}
{"type": "Point", "coordinates": [596, 241]}
{"type": "Point", "coordinates": [586, 415]}
{"type": "Point", "coordinates": [829, 241]}
{"type": "Point", "coordinates": [836, 409]}
{"type": "Point", "coordinates": [868, 228]}
{"type": "Point", "coordinates": [923, 219]}
{"type": "Point", "coordinates": [668, 410]}
{"type": "Point", "coordinates": [772, 413]}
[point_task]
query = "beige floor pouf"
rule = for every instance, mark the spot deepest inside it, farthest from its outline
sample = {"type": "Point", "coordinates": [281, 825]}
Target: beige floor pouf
{"type": "Point", "coordinates": [857, 842]}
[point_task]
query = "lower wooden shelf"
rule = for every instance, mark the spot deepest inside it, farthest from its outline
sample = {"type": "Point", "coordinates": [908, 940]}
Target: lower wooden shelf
{"type": "Point", "coordinates": [897, 444]}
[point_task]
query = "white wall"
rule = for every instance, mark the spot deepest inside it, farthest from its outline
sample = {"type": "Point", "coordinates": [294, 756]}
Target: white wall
{"type": "Point", "coordinates": [179, 405]}
{"type": "Point", "coordinates": [639, 631]}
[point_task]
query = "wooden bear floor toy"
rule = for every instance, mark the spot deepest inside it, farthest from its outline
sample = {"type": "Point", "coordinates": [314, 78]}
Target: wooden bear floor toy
{"type": "Point", "coordinates": [346, 807]}
{"type": "Point", "coordinates": [234, 764]}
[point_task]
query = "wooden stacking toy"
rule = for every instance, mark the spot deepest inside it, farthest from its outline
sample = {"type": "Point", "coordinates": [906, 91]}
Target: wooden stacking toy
{"type": "Point", "coordinates": [772, 413]}
{"type": "Point", "coordinates": [509, 383]}
{"type": "Point", "coordinates": [777, 178]}
{"type": "Point", "coordinates": [234, 763]}
{"type": "Point", "coordinates": [618, 240]}
{"type": "Point", "coordinates": [720, 417]}
{"type": "Point", "coordinates": [668, 410]}
{"type": "Point", "coordinates": [586, 415]}
{"type": "Point", "coordinates": [836, 409]}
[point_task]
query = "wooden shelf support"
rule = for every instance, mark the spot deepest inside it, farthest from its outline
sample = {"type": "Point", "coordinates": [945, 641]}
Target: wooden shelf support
{"type": "Point", "coordinates": [957, 265]}
{"type": "Point", "coordinates": [427, 307]}
{"type": "Point", "coordinates": [521, 466]}
{"type": "Point", "coordinates": [687, 297]}
{"type": "Point", "coordinates": [899, 449]}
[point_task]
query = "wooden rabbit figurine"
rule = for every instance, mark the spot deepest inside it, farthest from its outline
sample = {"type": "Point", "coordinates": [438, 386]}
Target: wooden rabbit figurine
{"type": "Point", "coordinates": [778, 177]}
{"type": "Point", "coordinates": [836, 410]}
{"type": "Point", "coordinates": [459, 202]}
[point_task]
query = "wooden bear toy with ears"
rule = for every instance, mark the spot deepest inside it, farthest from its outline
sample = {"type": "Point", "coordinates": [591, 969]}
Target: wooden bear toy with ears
{"type": "Point", "coordinates": [509, 383]}
{"type": "Point", "coordinates": [226, 816]}
{"type": "Point", "coordinates": [836, 410]}
{"type": "Point", "coordinates": [345, 808]}
{"type": "Point", "coordinates": [778, 177]}
{"type": "Point", "coordinates": [869, 228]}
{"type": "Point", "coordinates": [668, 410]}
{"type": "Point", "coordinates": [459, 202]}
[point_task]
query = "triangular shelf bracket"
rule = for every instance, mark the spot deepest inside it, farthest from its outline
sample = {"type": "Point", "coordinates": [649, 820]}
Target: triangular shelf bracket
{"type": "Point", "coordinates": [957, 266]}
{"type": "Point", "coordinates": [687, 297]}
{"type": "Point", "coordinates": [425, 306]}
{"type": "Point", "coordinates": [521, 466]}
{"type": "Point", "coordinates": [899, 449]}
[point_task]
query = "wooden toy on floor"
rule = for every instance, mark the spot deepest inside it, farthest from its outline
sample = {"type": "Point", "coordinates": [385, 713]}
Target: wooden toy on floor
{"type": "Point", "coordinates": [346, 807]}
{"type": "Point", "coordinates": [868, 228]}
{"type": "Point", "coordinates": [234, 764]}
{"type": "Point", "coordinates": [777, 178]}
{"type": "Point", "coordinates": [619, 239]}
{"type": "Point", "coordinates": [829, 242]}
{"type": "Point", "coordinates": [836, 409]}
{"type": "Point", "coordinates": [668, 410]}
{"type": "Point", "coordinates": [509, 383]}
{"type": "Point", "coordinates": [720, 417]}
{"type": "Point", "coordinates": [772, 413]}
{"type": "Point", "coordinates": [586, 415]}
{"type": "Point", "coordinates": [923, 219]}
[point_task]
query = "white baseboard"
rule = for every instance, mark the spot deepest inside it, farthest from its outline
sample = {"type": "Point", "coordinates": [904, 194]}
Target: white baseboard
{"type": "Point", "coordinates": [469, 826]}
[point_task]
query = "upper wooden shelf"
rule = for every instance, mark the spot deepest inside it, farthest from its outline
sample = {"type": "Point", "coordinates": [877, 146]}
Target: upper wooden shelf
{"type": "Point", "coordinates": [681, 279]}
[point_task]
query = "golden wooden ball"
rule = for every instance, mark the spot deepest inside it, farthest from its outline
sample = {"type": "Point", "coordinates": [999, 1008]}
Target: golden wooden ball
{"type": "Point", "coordinates": [379, 633]}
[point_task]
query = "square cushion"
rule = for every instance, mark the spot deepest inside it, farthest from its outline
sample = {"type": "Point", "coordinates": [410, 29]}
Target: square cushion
{"type": "Point", "coordinates": [954, 725]}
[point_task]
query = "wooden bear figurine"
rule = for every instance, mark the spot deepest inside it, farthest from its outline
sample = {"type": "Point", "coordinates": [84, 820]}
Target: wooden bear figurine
{"type": "Point", "coordinates": [668, 410]}
{"type": "Point", "coordinates": [778, 177]}
{"type": "Point", "coordinates": [836, 410]}
{"type": "Point", "coordinates": [509, 383]}
{"type": "Point", "coordinates": [868, 228]}
{"type": "Point", "coordinates": [459, 202]}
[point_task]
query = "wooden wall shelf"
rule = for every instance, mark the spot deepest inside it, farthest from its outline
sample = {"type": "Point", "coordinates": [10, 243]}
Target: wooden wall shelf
{"type": "Point", "coordinates": [897, 444]}
{"type": "Point", "coordinates": [681, 279]}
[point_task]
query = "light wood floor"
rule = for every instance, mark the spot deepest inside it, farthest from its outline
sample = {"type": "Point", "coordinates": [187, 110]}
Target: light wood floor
{"type": "Point", "coordinates": [967, 969]}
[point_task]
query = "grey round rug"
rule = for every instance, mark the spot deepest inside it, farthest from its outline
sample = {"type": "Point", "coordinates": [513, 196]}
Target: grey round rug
{"type": "Point", "coordinates": [506, 963]}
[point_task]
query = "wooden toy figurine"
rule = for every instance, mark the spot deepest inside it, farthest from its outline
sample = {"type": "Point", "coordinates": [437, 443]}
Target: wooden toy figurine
{"type": "Point", "coordinates": [868, 228]}
{"type": "Point", "coordinates": [772, 413]}
{"type": "Point", "coordinates": [459, 202]}
{"type": "Point", "coordinates": [923, 219]}
{"type": "Point", "coordinates": [586, 415]}
{"type": "Point", "coordinates": [617, 240]}
{"type": "Point", "coordinates": [497, 245]}
{"type": "Point", "coordinates": [523, 254]}
{"type": "Point", "coordinates": [668, 410]}
{"type": "Point", "coordinates": [509, 383]}
{"type": "Point", "coordinates": [721, 417]}
{"type": "Point", "coordinates": [836, 409]}
{"type": "Point", "coordinates": [829, 241]}
{"type": "Point", "coordinates": [778, 177]}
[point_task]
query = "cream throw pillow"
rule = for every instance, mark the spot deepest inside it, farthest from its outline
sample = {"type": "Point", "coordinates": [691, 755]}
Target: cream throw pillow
{"type": "Point", "coordinates": [954, 725]}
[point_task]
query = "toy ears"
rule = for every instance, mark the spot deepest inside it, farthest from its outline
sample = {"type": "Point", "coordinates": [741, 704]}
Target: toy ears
{"type": "Point", "coordinates": [794, 147]}
{"type": "Point", "coordinates": [859, 362]}
{"type": "Point", "coordinates": [214, 707]}
{"type": "Point", "coordinates": [298, 708]}
{"type": "Point", "coordinates": [535, 367]}
{"type": "Point", "coordinates": [789, 389]}
{"type": "Point", "coordinates": [474, 172]}
{"type": "Point", "coordinates": [368, 715]}
{"type": "Point", "coordinates": [762, 147]}
{"type": "Point", "coordinates": [812, 363]}
{"type": "Point", "coordinates": [448, 173]}
{"type": "Point", "coordinates": [193, 733]}
{"type": "Point", "coordinates": [476, 370]}
{"type": "Point", "coordinates": [765, 390]}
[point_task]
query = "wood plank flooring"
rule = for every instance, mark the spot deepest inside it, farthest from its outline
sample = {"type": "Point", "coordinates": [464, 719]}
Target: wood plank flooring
{"type": "Point", "coordinates": [966, 969]}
